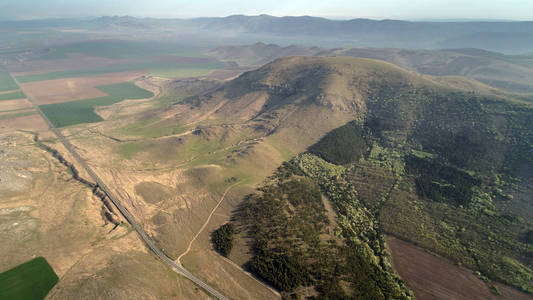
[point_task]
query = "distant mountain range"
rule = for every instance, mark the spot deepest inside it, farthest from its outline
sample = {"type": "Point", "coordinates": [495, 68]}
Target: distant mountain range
{"type": "Point", "coordinates": [500, 36]}
{"type": "Point", "coordinates": [512, 73]}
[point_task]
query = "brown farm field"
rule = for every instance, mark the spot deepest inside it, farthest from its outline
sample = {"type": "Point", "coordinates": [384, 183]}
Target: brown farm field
{"type": "Point", "coordinates": [433, 277]}
{"type": "Point", "coordinates": [14, 104]}
{"type": "Point", "coordinates": [70, 89]}
{"type": "Point", "coordinates": [8, 92]}
{"type": "Point", "coordinates": [26, 120]}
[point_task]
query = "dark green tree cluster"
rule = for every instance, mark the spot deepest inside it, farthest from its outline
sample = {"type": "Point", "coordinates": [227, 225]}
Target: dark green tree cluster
{"type": "Point", "coordinates": [440, 182]}
{"type": "Point", "coordinates": [281, 270]}
{"type": "Point", "coordinates": [223, 238]}
{"type": "Point", "coordinates": [343, 145]}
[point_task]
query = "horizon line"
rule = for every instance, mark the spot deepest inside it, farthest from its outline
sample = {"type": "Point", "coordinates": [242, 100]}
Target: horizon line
{"type": "Point", "coordinates": [332, 18]}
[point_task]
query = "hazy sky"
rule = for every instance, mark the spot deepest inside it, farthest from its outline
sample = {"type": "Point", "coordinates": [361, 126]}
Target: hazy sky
{"type": "Point", "coordinates": [398, 9]}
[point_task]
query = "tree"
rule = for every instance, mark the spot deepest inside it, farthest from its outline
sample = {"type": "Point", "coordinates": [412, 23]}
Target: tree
{"type": "Point", "coordinates": [223, 238]}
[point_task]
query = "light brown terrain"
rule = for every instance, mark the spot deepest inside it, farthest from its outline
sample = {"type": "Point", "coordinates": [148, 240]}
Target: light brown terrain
{"type": "Point", "coordinates": [45, 212]}
{"type": "Point", "coordinates": [14, 104]}
{"type": "Point", "coordinates": [70, 89]}
{"type": "Point", "coordinates": [433, 277]}
{"type": "Point", "coordinates": [21, 120]}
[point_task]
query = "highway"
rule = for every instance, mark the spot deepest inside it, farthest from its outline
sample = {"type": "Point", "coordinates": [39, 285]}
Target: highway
{"type": "Point", "coordinates": [147, 240]}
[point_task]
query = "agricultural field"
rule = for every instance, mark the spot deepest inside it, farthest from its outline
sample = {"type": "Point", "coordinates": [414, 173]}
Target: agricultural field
{"type": "Point", "coordinates": [30, 280]}
{"type": "Point", "coordinates": [27, 119]}
{"type": "Point", "coordinates": [179, 73]}
{"type": "Point", "coordinates": [417, 267]}
{"type": "Point", "coordinates": [6, 82]}
{"type": "Point", "coordinates": [120, 49]}
{"type": "Point", "coordinates": [14, 105]}
{"type": "Point", "coordinates": [82, 111]}
{"type": "Point", "coordinates": [155, 66]}
{"type": "Point", "coordinates": [12, 95]}
{"type": "Point", "coordinates": [110, 56]}
{"type": "Point", "coordinates": [70, 89]}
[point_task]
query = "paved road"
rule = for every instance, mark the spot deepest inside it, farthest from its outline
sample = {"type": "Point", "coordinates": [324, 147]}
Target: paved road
{"type": "Point", "coordinates": [149, 242]}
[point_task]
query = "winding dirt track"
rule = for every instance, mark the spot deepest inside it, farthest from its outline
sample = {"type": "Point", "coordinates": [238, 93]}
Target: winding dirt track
{"type": "Point", "coordinates": [178, 261]}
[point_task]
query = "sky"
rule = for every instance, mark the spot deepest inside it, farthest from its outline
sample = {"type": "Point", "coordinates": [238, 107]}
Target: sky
{"type": "Point", "coordinates": [339, 9]}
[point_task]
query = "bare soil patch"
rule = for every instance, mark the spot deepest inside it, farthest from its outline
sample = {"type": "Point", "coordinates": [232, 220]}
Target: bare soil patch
{"type": "Point", "coordinates": [433, 277]}
{"type": "Point", "coordinates": [70, 89]}
{"type": "Point", "coordinates": [14, 104]}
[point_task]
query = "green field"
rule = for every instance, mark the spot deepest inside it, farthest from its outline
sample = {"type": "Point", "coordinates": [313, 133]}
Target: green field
{"type": "Point", "coordinates": [116, 49]}
{"type": "Point", "coordinates": [11, 96]}
{"type": "Point", "coordinates": [125, 90]}
{"type": "Point", "coordinates": [7, 83]}
{"type": "Point", "coordinates": [79, 73]}
{"type": "Point", "coordinates": [145, 65]}
{"type": "Point", "coordinates": [179, 73]}
{"type": "Point", "coordinates": [161, 59]}
{"type": "Point", "coordinates": [30, 280]}
{"type": "Point", "coordinates": [77, 112]}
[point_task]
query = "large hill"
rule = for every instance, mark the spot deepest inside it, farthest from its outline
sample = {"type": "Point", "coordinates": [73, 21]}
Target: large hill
{"type": "Point", "coordinates": [429, 162]}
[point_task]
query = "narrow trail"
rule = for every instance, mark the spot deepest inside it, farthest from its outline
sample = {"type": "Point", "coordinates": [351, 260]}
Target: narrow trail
{"type": "Point", "coordinates": [227, 260]}
{"type": "Point", "coordinates": [178, 260]}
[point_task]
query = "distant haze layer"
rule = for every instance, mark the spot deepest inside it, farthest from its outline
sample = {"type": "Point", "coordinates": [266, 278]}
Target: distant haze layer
{"type": "Point", "coordinates": [384, 9]}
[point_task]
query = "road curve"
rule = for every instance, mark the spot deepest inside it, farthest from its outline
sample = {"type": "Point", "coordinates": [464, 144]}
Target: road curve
{"type": "Point", "coordinates": [148, 241]}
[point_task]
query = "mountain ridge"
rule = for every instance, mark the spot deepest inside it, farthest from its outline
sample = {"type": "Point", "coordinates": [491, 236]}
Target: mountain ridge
{"type": "Point", "coordinates": [316, 31]}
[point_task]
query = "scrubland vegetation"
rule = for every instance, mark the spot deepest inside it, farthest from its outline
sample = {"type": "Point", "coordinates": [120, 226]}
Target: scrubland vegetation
{"type": "Point", "coordinates": [432, 166]}
{"type": "Point", "coordinates": [297, 246]}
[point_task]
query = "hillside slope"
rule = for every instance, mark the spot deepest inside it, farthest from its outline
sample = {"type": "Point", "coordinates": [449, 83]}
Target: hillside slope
{"type": "Point", "coordinates": [439, 166]}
